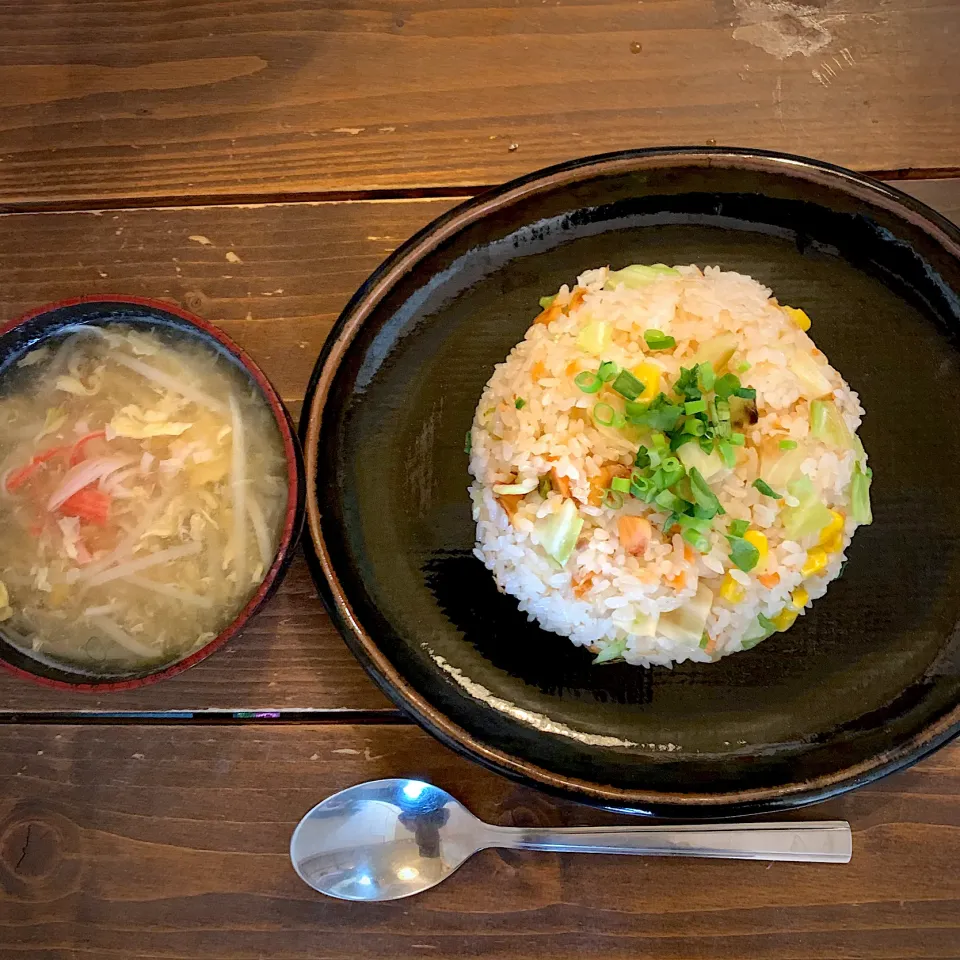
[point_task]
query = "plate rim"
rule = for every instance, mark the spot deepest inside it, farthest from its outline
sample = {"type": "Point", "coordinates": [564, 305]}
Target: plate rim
{"type": "Point", "coordinates": [365, 648]}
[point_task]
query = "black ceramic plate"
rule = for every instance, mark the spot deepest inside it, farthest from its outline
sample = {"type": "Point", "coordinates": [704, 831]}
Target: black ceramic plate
{"type": "Point", "coordinates": [866, 682]}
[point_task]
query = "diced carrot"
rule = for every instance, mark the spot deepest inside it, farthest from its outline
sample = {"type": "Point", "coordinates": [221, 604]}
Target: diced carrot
{"type": "Point", "coordinates": [538, 370]}
{"type": "Point", "coordinates": [679, 581]}
{"type": "Point", "coordinates": [76, 454]}
{"type": "Point", "coordinates": [634, 534]}
{"type": "Point", "coordinates": [711, 646]}
{"type": "Point", "coordinates": [510, 503]}
{"type": "Point", "coordinates": [769, 579]}
{"type": "Point", "coordinates": [550, 314]}
{"type": "Point", "coordinates": [560, 483]}
{"type": "Point", "coordinates": [17, 478]}
{"type": "Point", "coordinates": [572, 368]}
{"type": "Point", "coordinates": [581, 586]}
{"type": "Point", "coordinates": [578, 294]}
{"type": "Point", "coordinates": [600, 483]}
{"type": "Point", "coordinates": [88, 504]}
{"type": "Point", "coordinates": [688, 553]}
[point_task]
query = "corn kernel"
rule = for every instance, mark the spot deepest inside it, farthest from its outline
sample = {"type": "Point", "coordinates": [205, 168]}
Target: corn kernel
{"type": "Point", "coordinates": [834, 544]}
{"type": "Point", "coordinates": [798, 317]}
{"type": "Point", "coordinates": [759, 540]}
{"type": "Point", "coordinates": [731, 591]}
{"type": "Point", "coordinates": [816, 561]}
{"type": "Point", "coordinates": [649, 375]}
{"type": "Point", "coordinates": [799, 598]}
{"type": "Point", "coordinates": [832, 529]}
{"type": "Point", "coordinates": [785, 619]}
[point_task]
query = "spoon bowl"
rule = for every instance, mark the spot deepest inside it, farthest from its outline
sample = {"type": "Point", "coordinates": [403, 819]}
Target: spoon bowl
{"type": "Point", "coordinates": [389, 839]}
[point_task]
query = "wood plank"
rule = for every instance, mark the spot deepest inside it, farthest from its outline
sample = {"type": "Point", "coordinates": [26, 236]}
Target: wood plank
{"type": "Point", "coordinates": [166, 98]}
{"type": "Point", "coordinates": [300, 264]}
{"type": "Point", "coordinates": [171, 842]}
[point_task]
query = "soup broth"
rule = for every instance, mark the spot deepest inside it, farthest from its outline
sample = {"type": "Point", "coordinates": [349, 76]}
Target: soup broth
{"type": "Point", "coordinates": [143, 487]}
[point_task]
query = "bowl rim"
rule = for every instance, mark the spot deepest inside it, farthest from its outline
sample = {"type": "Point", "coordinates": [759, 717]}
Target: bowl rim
{"type": "Point", "coordinates": [364, 646]}
{"type": "Point", "coordinates": [296, 492]}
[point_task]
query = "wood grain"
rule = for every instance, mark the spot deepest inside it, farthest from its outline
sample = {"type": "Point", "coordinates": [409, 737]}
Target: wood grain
{"type": "Point", "coordinates": [171, 842]}
{"type": "Point", "coordinates": [300, 263]}
{"type": "Point", "coordinates": [129, 99]}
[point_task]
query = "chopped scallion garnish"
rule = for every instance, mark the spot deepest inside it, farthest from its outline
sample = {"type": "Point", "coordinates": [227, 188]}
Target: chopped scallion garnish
{"type": "Point", "coordinates": [604, 414]}
{"type": "Point", "coordinates": [739, 527]}
{"type": "Point", "coordinates": [520, 403]}
{"type": "Point", "coordinates": [608, 370]}
{"type": "Point", "coordinates": [743, 366]}
{"type": "Point", "coordinates": [727, 454]}
{"type": "Point", "coordinates": [745, 393]}
{"type": "Point", "coordinates": [695, 406]}
{"type": "Point", "coordinates": [743, 554]}
{"type": "Point", "coordinates": [738, 439]}
{"type": "Point", "coordinates": [766, 489]}
{"type": "Point", "coordinates": [547, 302]}
{"type": "Point", "coordinates": [705, 376]}
{"type": "Point", "coordinates": [705, 499]}
{"type": "Point", "coordinates": [588, 382]}
{"type": "Point", "coordinates": [788, 444]}
{"type": "Point", "coordinates": [695, 427]}
{"type": "Point", "coordinates": [613, 500]}
{"type": "Point", "coordinates": [658, 340]}
{"type": "Point", "coordinates": [726, 385]}
{"type": "Point", "coordinates": [620, 484]}
{"type": "Point", "coordinates": [627, 385]}
{"type": "Point", "coordinates": [468, 442]}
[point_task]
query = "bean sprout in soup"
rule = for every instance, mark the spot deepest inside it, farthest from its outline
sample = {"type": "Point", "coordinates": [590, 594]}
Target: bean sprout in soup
{"type": "Point", "coordinates": [143, 483]}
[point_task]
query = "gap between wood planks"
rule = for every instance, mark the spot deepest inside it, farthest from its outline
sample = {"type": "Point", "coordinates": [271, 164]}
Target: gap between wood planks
{"type": "Point", "coordinates": [211, 717]}
{"type": "Point", "coordinates": [359, 196]}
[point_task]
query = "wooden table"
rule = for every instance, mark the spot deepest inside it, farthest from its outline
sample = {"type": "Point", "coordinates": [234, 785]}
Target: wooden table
{"type": "Point", "coordinates": [144, 141]}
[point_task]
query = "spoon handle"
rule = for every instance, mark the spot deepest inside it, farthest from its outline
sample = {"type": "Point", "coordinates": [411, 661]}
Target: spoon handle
{"type": "Point", "coordinates": [818, 842]}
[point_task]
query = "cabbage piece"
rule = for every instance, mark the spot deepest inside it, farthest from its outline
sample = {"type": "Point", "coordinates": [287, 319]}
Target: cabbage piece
{"type": "Point", "coordinates": [761, 628]}
{"type": "Point", "coordinates": [692, 456]}
{"type": "Point", "coordinates": [827, 424]}
{"type": "Point", "coordinates": [558, 533]}
{"type": "Point", "coordinates": [781, 468]}
{"type": "Point", "coordinates": [139, 424]}
{"type": "Point", "coordinates": [594, 338]}
{"type": "Point", "coordinates": [860, 495]}
{"type": "Point", "coordinates": [686, 623]}
{"type": "Point", "coordinates": [716, 351]}
{"type": "Point", "coordinates": [611, 653]}
{"type": "Point", "coordinates": [638, 275]}
{"type": "Point", "coordinates": [810, 374]}
{"type": "Point", "coordinates": [809, 516]}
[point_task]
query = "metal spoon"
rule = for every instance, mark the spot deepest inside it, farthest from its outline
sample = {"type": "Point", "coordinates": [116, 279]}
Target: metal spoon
{"type": "Point", "coordinates": [393, 838]}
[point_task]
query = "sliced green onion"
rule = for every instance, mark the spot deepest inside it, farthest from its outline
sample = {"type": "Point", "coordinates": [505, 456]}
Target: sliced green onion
{"type": "Point", "coordinates": [604, 414]}
{"type": "Point", "coordinates": [694, 427]}
{"type": "Point", "coordinates": [706, 444]}
{"type": "Point", "coordinates": [627, 385]}
{"type": "Point", "coordinates": [634, 408]}
{"type": "Point", "coordinates": [608, 370]}
{"type": "Point", "coordinates": [547, 301]}
{"type": "Point", "coordinates": [642, 459]}
{"type": "Point", "coordinates": [686, 385]}
{"type": "Point", "coordinates": [727, 454]}
{"type": "Point", "coordinates": [545, 486]}
{"type": "Point", "coordinates": [468, 442]}
{"type": "Point", "coordinates": [766, 489]}
{"type": "Point", "coordinates": [613, 500]}
{"type": "Point", "coordinates": [660, 414]}
{"type": "Point", "coordinates": [679, 439]}
{"type": "Point", "coordinates": [670, 501]}
{"type": "Point", "coordinates": [723, 409]}
{"type": "Point", "coordinates": [743, 366]}
{"type": "Point", "coordinates": [704, 641]}
{"type": "Point", "coordinates": [588, 382]}
{"type": "Point", "coordinates": [727, 385]}
{"type": "Point", "coordinates": [706, 376]}
{"type": "Point", "coordinates": [520, 403]}
{"type": "Point", "coordinates": [739, 527]}
{"type": "Point", "coordinates": [643, 489]}
{"type": "Point", "coordinates": [703, 496]}
{"type": "Point", "coordinates": [658, 439]}
{"type": "Point", "coordinates": [671, 464]}
{"type": "Point", "coordinates": [745, 393]}
{"type": "Point", "coordinates": [658, 340]}
{"type": "Point", "coordinates": [743, 554]}
{"type": "Point", "coordinates": [695, 406]}
{"type": "Point", "coordinates": [788, 444]}
{"type": "Point", "coordinates": [620, 484]}
{"type": "Point", "coordinates": [694, 531]}
{"type": "Point", "coordinates": [738, 439]}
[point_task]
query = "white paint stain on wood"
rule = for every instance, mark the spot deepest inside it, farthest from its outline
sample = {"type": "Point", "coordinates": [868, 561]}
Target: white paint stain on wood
{"type": "Point", "coordinates": [782, 28]}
